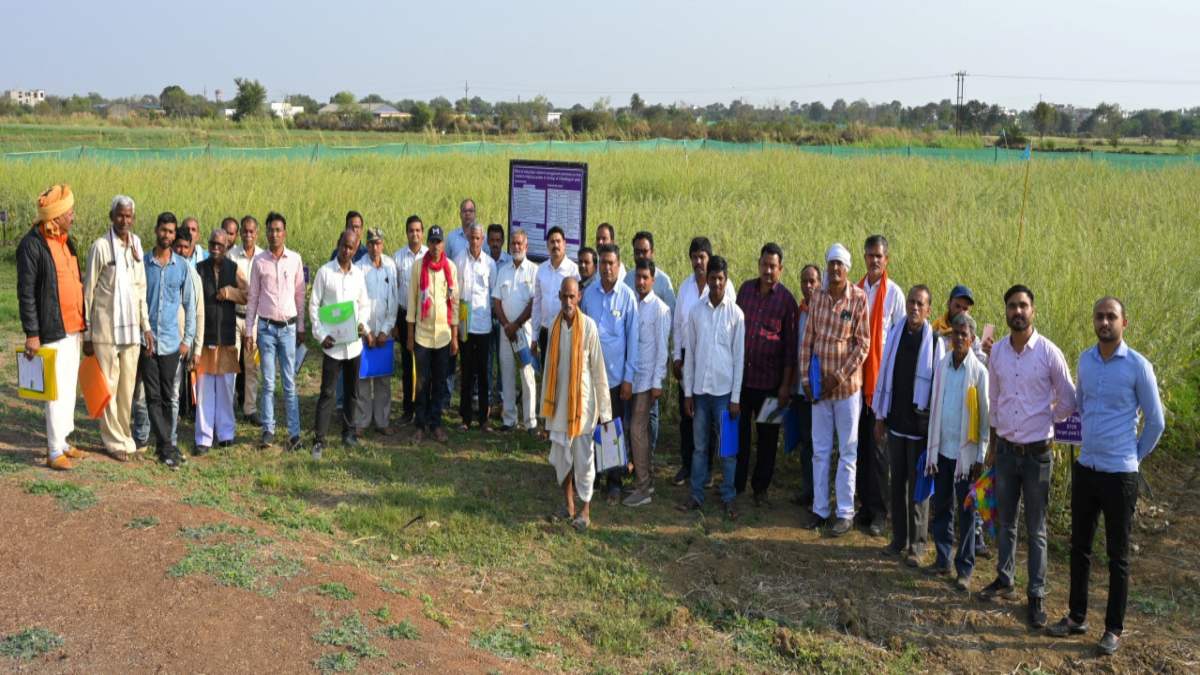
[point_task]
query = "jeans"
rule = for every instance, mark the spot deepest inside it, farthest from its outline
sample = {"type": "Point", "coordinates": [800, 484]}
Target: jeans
{"type": "Point", "coordinates": [474, 354]}
{"type": "Point", "coordinates": [1114, 495]}
{"type": "Point", "coordinates": [768, 443]}
{"type": "Point", "coordinates": [1028, 475]}
{"type": "Point", "coordinates": [181, 393]}
{"type": "Point", "coordinates": [277, 349]}
{"type": "Point", "coordinates": [433, 393]}
{"type": "Point", "coordinates": [828, 417]}
{"type": "Point", "coordinates": [332, 371]}
{"type": "Point", "coordinates": [871, 477]}
{"type": "Point", "coordinates": [141, 417]}
{"type": "Point", "coordinates": [157, 373]}
{"type": "Point", "coordinates": [910, 521]}
{"type": "Point", "coordinates": [708, 414]}
{"type": "Point", "coordinates": [948, 498]}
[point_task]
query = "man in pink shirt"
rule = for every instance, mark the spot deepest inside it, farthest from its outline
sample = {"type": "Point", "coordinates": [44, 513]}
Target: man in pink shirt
{"type": "Point", "coordinates": [274, 322]}
{"type": "Point", "coordinates": [1029, 389]}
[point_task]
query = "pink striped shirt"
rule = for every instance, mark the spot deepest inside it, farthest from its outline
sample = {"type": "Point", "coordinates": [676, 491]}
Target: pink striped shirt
{"type": "Point", "coordinates": [1030, 390]}
{"type": "Point", "coordinates": [276, 290]}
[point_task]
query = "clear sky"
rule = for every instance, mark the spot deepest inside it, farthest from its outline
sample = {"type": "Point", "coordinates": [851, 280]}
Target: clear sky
{"type": "Point", "coordinates": [694, 52]}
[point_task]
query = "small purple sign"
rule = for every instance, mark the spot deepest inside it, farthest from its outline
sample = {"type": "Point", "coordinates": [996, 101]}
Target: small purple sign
{"type": "Point", "coordinates": [1069, 431]}
{"type": "Point", "coordinates": [543, 195]}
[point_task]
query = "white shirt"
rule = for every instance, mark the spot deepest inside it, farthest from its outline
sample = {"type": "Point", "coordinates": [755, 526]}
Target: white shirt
{"type": "Point", "coordinates": [404, 263]}
{"type": "Point", "coordinates": [514, 289]}
{"type": "Point", "coordinates": [894, 310]}
{"type": "Point", "coordinates": [689, 295]}
{"type": "Point", "coordinates": [716, 345]}
{"type": "Point", "coordinates": [332, 286]}
{"type": "Point", "coordinates": [654, 329]}
{"type": "Point", "coordinates": [477, 276]}
{"type": "Point", "coordinates": [242, 259]}
{"type": "Point", "coordinates": [545, 294]}
{"type": "Point", "coordinates": [382, 291]}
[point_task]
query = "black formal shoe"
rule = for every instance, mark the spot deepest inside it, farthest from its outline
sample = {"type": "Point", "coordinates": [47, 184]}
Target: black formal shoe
{"type": "Point", "coordinates": [813, 521]}
{"type": "Point", "coordinates": [996, 589]}
{"type": "Point", "coordinates": [349, 440]}
{"type": "Point", "coordinates": [293, 444]}
{"type": "Point", "coordinates": [266, 440]}
{"type": "Point", "coordinates": [875, 529]}
{"type": "Point", "coordinates": [1037, 613]}
{"type": "Point", "coordinates": [840, 527]}
{"type": "Point", "coordinates": [1109, 643]}
{"type": "Point", "coordinates": [200, 450]}
{"type": "Point", "coordinates": [1066, 627]}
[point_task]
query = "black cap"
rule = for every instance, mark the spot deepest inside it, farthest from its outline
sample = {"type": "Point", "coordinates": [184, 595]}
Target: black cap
{"type": "Point", "coordinates": [435, 234]}
{"type": "Point", "coordinates": [961, 291]}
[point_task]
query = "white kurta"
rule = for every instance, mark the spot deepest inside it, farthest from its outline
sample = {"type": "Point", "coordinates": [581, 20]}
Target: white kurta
{"type": "Point", "coordinates": [575, 454]}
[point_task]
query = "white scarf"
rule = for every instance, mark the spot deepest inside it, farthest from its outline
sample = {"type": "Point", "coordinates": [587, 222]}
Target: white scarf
{"type": "Point", "coordinates": [930, 354]}
{"type": "Point", "coordinates": [968, 453]}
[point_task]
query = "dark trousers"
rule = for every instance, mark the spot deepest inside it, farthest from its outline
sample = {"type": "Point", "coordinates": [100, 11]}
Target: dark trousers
{"type": "Point", "coordinates": [157, 373]}
{"type": "Point", "coordinates": [948, 498]}
{"type": "Point", "coordinates": [407, 366]}
{"type": "Point", "coordinates": [433, 389]}
{"type": "Point", "coordinates": [802, 409]}
{"type": "Point", "coordinates": [332, 371]}
{"type": "Point", "coordinates": [871, 475]}
{"type": "Point", "coordinates": [1114, 495]}
{"type": "Point", "coordinates": [239, 384]}
{"type": "Point", "coordinates": [187, 404]}
{"type": "Point", "coordinates": [910, 522]}
{"type": "Point", "coordinates": [543, 338]}
{"type": "Point", "coordinates": [615, 477]}
{"type": "Point", "coordinates": [768, 443]}
{"type": "Point", "coordinates": [473, 381]}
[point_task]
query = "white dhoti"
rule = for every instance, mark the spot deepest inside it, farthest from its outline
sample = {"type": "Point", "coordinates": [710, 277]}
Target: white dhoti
{"type": "Point", "coordinates": [574, 455]}
{"type": "Point", "coordinates": [60, 413]}
{"type": "Point", "coordinates": [214, 408]}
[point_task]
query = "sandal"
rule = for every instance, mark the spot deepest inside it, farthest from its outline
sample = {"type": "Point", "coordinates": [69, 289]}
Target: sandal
{"type": "Point", "coordinates": [581, 524]}
{"type": "Point", "coordinates": [559, 514]}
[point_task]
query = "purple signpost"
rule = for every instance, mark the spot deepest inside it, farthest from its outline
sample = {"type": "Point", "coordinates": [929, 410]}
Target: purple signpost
{"type": "Point", "coordinates": [544, 194]}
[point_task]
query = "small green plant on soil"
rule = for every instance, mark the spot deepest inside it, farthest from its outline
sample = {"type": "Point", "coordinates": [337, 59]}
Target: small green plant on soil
{"type": "Point", "coordinates": [505, 643]}
{"type": "Point", "coordinates": [142, 523]}
{"type": "Point", "coordinates": [30, 643]}
{"type": "Point", "coordinates": [70, 497]}
{"type": "Point", "coordinates": [404, 630]}
{"type": "Point", "coordinates": [337, 662]}
{"type": "Point", "coordinates": [335, 590]}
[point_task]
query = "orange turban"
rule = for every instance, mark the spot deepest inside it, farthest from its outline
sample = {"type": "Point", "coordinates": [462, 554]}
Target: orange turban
{"type": "Point", "coordinates": [54, 202]}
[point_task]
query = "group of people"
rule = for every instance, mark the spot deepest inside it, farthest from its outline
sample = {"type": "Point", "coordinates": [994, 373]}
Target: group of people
{"type": "Point", "coordinates": [861, 366]}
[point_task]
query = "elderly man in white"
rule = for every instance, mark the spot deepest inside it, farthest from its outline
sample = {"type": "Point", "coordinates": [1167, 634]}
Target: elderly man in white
{"type": "Point", "coordinates": [380, 275]}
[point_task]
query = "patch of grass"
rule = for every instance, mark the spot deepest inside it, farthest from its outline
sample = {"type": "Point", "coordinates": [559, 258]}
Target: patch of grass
{"type": "Point", "coordinates": [433, 613]}
{"type": "Point", "coordinates": [336, 590]}
{"type": "Point", "coordinates": [237, 560]}
{"type": "Point", "coordinates": [283, 566]}
{"type": "Point", "coordinates": [202, 532]}
{"type": "Point", "coordinates": [212, 499]}
{"type": "Point", "coordinates": [228, 564]}
{"type": "Point", "coordinates": [1153, 605]}
{"type": "Point", "coordinates": [70, 497]}
{"type": "Point", "coordinates": [337, 662]}
{"type": "Point", "coordinates": [350, 633]}
{"type": "Point", "coordinates": [142, 523]}
{"type": "Point", "coordinates": [506, 644]}
{"type": "Point", "coordinates": [384, 614]}
{"type": "Point", "coordinates": [395, 590]}
{"type": "Point", "coordinates": [30, 643]}
{"type": "Point", "coordinates": [292, 514]}
{"type": "Point", "coordinates": [9, 464]}
{"type": "Point", "coordinates": [404, 630]}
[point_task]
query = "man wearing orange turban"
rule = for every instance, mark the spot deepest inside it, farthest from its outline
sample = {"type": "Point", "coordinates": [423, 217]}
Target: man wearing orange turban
{"type": "Point", "coordinates": [50, 297]}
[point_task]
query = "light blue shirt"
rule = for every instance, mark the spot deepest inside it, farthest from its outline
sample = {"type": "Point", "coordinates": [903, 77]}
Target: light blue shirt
{"type": "Point", "coordinates": [457, 244]}
{"type": "Point", "coordinates": [615, 314]}
{"type": "Point", "coordinates": [952, 409]}
{"type": "Point", "coordinates": [662, 285]}
{"type": "Point", "coordinates": [199, 255]}
{"type": "Point", "coordinates": [1110, 394]}
{"type": "Point", "coordinates": [167, 287]}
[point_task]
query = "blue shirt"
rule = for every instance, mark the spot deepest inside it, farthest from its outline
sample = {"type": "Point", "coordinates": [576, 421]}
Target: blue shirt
{"type": "Point", "coordinates": [199, 255]}
{"type": "Point", "coordinates": [615, 314]}
{"type": "Point", "coordinates": [358, 255]}
{"type": "Point", "coordinates": [167, 288]}
{"type": "Point", "coordinates": [952, 409]}
{"type": "Point", "coordinates": [662, 285]}
{"type": "Point", "coordinates": [1110, 394]}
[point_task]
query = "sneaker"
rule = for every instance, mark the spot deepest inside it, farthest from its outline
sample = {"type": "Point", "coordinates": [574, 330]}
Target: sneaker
{"type": "Point", "coordinates": [172, 459]}
{"type": "Point", "coordinates": [638, 498]}
{"type": "Point", "coordinates": [293, 444]}
{"type": "Point", "coordinates": [875, 529]}
{"type": "Point", "coordinates": [266, 440]}
{"type": "Point", "coordinates": [997, 589]}
{"type": "Point", "coordinates": [317, 449]}
{"type": "Point", "coordinates": [1065, 627]}
{"type": "Point", "coordinates": [963, 582]}
{"type": "Point", "coordinates": [1037, 612]}
{"type": "Point", "coordinates": [349, 440]}
{"type": "Point", "coordinates": [681, 476]}
{"type": "Point", "coordinates": [1109, 643]}
{"type": "Point", "coordinates": [200, 450]}
{"type": "Point", "coordinates": [814, 522]}
{"type": "Point", "coordinates": [840, 526]}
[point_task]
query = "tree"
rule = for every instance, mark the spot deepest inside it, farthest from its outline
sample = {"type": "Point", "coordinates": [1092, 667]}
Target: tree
{"type": "Point", "coordinates": [251, 99]}
{"type": "Point", "coordinates": [310, 104]}
{"type": "Point", "coordinates": [422, 115]}
{"type": "Point", "coordinates": [373, 98]}
{"type": "Point", "coordinates": [1045, 116]}
{"type": "Point", "coordinates": [174, 100]}
{"type": "Point", "coordinates": [342, 98]}
{"type": "Point", "coordinates": [636, 104]}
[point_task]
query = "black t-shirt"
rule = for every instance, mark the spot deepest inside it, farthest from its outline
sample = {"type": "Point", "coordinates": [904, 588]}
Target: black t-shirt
{"type": "Point", "coordinates": [902, 416]}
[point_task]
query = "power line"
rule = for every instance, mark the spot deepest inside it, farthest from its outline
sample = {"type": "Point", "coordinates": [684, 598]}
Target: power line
{"type": "Point", "coordinates": [701, 90]}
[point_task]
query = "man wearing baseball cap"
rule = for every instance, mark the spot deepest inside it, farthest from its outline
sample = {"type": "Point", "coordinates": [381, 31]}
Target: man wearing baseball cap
{"type": "Point", "coordinates": [432, 333]}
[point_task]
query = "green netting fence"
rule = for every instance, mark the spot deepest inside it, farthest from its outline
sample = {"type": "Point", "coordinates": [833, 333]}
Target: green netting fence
{"type": "Point", "coordinates": [312, 153]}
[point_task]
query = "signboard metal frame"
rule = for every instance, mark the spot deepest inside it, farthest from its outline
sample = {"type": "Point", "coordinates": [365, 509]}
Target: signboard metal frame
{"type": "Point", "coordinates": [572, 251]}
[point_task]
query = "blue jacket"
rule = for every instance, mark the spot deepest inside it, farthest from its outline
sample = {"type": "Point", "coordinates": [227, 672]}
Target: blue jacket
{"type": "Point", "coordinates": [167, 288]}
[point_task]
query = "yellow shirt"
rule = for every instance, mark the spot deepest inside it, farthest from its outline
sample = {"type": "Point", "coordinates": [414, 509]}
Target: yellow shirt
{"type": "Point", "coordinates": [433, 331]}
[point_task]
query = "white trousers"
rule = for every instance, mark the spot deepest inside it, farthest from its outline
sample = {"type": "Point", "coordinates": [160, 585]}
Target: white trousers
{"type": "Point", "coordinates": [60, 413]}
{"type": "Point", "coordinates": [214, 408]}
{"type": "Point", "coordinates": [510, 370]}
{"type": "Point", "coordinates": [839, 416]}
{"type": "Point", "coordinates": [576, 457]}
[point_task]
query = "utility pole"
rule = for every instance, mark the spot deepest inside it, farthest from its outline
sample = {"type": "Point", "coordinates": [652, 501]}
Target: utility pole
{"type": "Point", "coordinates": [960, 78]}
{"type": "Point", "coordinates": [466, 90]}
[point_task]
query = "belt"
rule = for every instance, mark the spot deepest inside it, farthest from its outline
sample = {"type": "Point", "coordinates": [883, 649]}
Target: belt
{"type": "Point", "coordinates": [278, 324]}
{"type": "Point", "coordinates": [1027, 449]}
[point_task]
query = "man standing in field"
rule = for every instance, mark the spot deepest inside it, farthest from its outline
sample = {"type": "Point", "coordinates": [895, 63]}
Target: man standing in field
{"type": "Point", "coordinates": [1030, 389]}
{"type": "Point", "coordinates": [339, 281]}
{"type": "Point", "coordinates": [183, 403]}
{"type": "Point", "coordinates": [50, 302]}
{"type": "Point", "coordinates": [222, 287]}
{"type": "Point", "coordinates": [901, 406]}
{"type": "Point", "coordinates": [230, 225]}
{"type": "Point", "coordinates": [837, 334]}
{"type": "Point", "coordinates": [496, 249]}
{"type": "Point", "coordinates": [275, 325]}
{"type": "Point", "coordinates": [412, 252]}
{"type": "Point", "coordinates": [810, 280]}
{"type": "Point", "coordinates": [770, 361]}
{"type": "Point", "coordinates": [459, 240]}
{"type": "Point", "coordinates": [605, 234]}
{"type": "Point", "coordinates": [1115, 383]}
{"type": "Point", "coordinates": [550, 276]}
{"type": "Point", "coordinates": [193, 228]}
{"type": "Point", "coordinates": [654, 331]}
{"type": "Point", "coordinates": [512, 304]}
{"type": "Point", "coordinates": [643, 249]}
{"type": "Point", "coordinates": [477, 273]}
{"type": "Point", "coordinates": [247, 380]}
{"type": "Point", "coordinates": [118, 322]}
{"type": "Point", "coordinates": [588, 261]}
{"type": "Point", "coordinates": [383, 295]}
{"type": "Point", "coordinates": [692, 291]}
{"type": "Point", "coordinates": [885, 308]}
{"type": "Point", "coordinates": [574, 398]}
{"type": "Point", "coordinates": [613, 307]}
{"type": "Point", "coordinates": [354, 223]}
{"type": "Point", "coordinates": [432, 334]}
